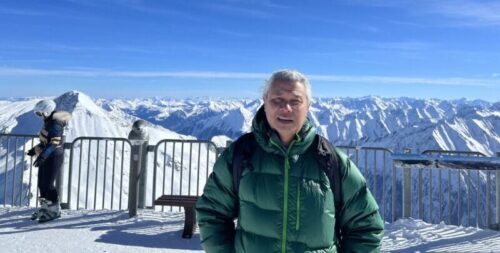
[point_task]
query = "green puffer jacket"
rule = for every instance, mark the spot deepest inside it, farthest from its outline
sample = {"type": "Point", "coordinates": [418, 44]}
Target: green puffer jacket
{"type": "Point", "coordinates": [286, 203]}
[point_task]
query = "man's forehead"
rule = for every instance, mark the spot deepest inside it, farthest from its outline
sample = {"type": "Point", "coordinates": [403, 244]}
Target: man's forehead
{"type": "Point", "coordinates": [294, 88]}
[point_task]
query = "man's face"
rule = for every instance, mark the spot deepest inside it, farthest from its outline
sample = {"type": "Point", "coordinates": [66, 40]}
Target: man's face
{"type": "Point", "coordinates": [286, 107]}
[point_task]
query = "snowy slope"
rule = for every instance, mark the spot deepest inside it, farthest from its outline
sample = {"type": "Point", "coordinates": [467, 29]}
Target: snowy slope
{"type": "Point", "coordinates": [113, 231]}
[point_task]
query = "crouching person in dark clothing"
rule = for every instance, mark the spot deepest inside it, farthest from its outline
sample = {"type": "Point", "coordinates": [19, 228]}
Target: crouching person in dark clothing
{"type": "Point", "coordinates": [49, 158]}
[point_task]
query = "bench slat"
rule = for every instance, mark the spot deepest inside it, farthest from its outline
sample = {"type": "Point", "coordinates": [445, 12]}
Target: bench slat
{"type": "Point", "coordinates": [175, 200]}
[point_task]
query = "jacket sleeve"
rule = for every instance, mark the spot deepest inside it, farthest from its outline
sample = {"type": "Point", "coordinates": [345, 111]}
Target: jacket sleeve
{"type": "Point", "coordinates": [216, 209]}
{"type": "Point", "coordinates": [361, 225]}
{"type": "Point", "coordinates": [54, 139]}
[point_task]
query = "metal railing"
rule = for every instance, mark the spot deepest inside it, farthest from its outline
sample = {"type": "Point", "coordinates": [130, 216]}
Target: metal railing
{"type": "Point", "coordinates": [18, 172]}
{"type": "Point", "coordinates": [376, 165]}
{"type": "Point", "coordinates": [97, 174]}
{"type": "Point", "coordinates": [468, 190]}
{"type": "Point", "coordinates": [101, 159]}
{"type": "Point", "coordinates": [445, 188]}
{"type": "Point", "coordinates": [181, 167]}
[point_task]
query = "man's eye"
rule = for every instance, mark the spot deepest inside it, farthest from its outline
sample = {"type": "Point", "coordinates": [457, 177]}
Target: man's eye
{"type": "Point", "coordinates": [295, 102]}
{"type": "Point", "coordinates": [277, 101]}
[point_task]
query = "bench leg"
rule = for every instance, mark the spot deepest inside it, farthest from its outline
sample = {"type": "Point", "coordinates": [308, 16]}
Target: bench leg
{"type": "Point", "coordinates": [189, 222]}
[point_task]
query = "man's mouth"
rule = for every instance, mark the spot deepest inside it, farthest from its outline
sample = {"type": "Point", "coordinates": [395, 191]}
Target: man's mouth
{"type": "Point", "coordinates": [285, 120]}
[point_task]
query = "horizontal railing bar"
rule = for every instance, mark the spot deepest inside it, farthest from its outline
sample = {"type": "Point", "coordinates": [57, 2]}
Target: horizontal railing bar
{"type": "Point", "coordinates": [19, 135]}
{"type": "Point", "coordinates": [101, 139]}
{"type": "Point", "coordinates": [482, 163]}
{"type": "Point", "coordinates": [453, 152]}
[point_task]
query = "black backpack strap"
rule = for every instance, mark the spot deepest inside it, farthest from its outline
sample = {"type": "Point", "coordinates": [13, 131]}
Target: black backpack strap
{"type": "Point", "coordinates": [329, 163]}
{"type": "Point", "coordinates": [244, 148]}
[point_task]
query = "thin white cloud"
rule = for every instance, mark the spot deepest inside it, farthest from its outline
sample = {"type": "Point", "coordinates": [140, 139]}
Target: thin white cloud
{"type": "Point", "coordinates": [68, 14]}
{"type": "Point", "coordinates": [470, 12]}
{"type": "Point", "coordinates": [134, 74]}
{"type": "Point", "coordinates": [137, 6]}
{"type": "Point", "coordinates": [452, 81]}
{"type": "Point", "coordinates": [343, 23]}
{"type": "Point", "coordinates": [405, 23]}
{"type": "Point", "coordinates": [238, 10]}
{"type": "Point", "coordinates": [189, 74]}
{"type": "Point", "coordinates": [402, 45]}
{"type": "Point", "coordinates": [24, 46]}
{"type": "Point", "coordinates": [46, 72]}
{"type": "Point", "coordinates": [461, 13]}
{"type": "Point", "coordinates": [21, 12]}
{"type": "Point", "coordinates": [233, 33]}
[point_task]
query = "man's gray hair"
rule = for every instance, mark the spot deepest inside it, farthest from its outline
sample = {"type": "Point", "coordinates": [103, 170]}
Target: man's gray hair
{"type": "Point", "coordinates": [288, 76]}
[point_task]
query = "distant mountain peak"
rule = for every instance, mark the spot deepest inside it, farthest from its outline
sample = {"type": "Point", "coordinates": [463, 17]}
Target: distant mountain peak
{"type": "Point", "coordinates": [72, 101]}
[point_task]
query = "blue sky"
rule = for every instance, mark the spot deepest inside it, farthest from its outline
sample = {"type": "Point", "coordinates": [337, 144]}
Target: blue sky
{"type": "Point", "coordinates": [444, 49]}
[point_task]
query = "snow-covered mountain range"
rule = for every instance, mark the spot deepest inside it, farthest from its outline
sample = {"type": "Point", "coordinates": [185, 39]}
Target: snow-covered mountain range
{"type": "Point", "coordinates": [88, 119]}
{"type": "Point", "coordinates": [395, 123]}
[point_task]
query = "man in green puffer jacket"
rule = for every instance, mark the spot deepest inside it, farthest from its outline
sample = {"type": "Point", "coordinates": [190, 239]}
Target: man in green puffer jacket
{"type": "Point", "coordinates": [285, 202]}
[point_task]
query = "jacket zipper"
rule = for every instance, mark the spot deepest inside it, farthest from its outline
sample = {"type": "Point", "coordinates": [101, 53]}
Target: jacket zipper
{"type": "Point", "coordinates": [285, 194]}
{"type": "Point", "coordinates": [297, 225]}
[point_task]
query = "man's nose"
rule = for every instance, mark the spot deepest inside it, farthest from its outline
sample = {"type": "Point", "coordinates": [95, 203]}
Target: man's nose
{"type": "Point", "coordinates": [286, 107]}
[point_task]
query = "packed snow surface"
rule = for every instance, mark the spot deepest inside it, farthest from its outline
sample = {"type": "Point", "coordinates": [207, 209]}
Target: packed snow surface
{"type": "Point", "coordinates": [152, 231]}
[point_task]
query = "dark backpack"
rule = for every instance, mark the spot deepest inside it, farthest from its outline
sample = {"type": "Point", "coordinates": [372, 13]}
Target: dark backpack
{"type": "Point", "coordinates": [326, 156]}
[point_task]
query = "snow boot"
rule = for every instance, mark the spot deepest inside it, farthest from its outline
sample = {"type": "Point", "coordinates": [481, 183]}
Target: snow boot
{"type": "Point", "coordinates": [52, 212]}
{"type": "Point", "coordinates": [39, 212]}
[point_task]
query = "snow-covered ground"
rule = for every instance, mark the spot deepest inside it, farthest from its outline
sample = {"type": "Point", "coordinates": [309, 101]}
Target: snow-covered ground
{"type": "Point", "coordinates": [113, 231]}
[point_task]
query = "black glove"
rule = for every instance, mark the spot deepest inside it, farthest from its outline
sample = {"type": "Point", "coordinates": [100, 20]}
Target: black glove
{"type": "Point", "coordinates": [31, 152]}
{"type": "Point", "coordinates": [39, 161]}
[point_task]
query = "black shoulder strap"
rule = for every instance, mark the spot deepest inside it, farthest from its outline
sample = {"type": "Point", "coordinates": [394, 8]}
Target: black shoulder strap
{"type": "Point", "coordinates": [330, 165]}
{"type": "Point", "coordinates": [242, 153]}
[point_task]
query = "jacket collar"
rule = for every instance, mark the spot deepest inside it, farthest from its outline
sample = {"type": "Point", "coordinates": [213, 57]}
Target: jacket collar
{"type": "Point", "coordinates": [268, 137]}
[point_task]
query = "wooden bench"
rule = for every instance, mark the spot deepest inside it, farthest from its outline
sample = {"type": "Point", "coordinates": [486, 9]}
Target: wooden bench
{"type": "Point", "coordinates": [188, 202]}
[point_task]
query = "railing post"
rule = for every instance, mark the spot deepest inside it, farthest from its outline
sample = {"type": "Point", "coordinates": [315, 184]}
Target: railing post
{"type": "Point", "coordinates": [139, 138]}
{"type": "Point", "coordinates": [406, 192]}
{"type": "Point", "coordinates": [60, 177]}
{"type": "Point", "coordinates": [143, 175]}
{"type": "Point", "coordinates": [497, 177]}
{"type": "Point", "coordinates": [406, 188]}
{"type": "Point", "coordinates": [394, 192]}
